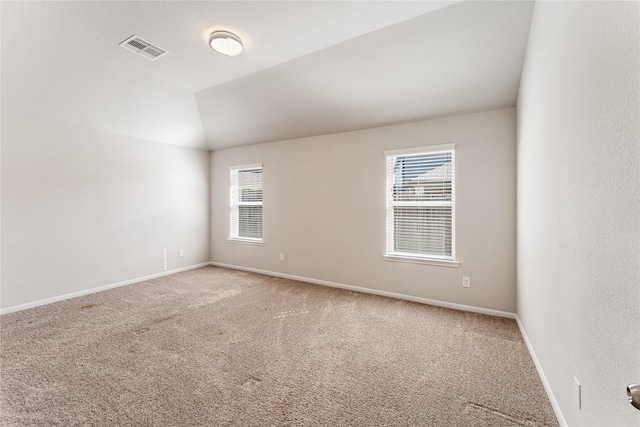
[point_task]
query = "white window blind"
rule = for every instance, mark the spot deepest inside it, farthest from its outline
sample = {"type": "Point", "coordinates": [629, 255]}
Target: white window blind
{"type": "Point", "coordinates": [246, 203]}
{"type": "Point", "coordinates": [421, 203]}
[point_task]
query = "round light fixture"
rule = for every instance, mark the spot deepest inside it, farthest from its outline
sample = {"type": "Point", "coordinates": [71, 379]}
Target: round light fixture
{"type": "Point", "coordinates": [226, 43]}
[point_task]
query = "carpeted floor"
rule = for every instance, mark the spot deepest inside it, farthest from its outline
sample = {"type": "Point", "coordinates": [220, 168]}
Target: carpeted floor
{"type": "Point", "coordinates": [217, 347]}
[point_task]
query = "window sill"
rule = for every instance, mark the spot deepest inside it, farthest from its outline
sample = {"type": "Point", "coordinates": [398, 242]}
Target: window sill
{"type": "Point", "coordinates": [420, 260]}
{"type": "Point", "coordinates": [254, 242]}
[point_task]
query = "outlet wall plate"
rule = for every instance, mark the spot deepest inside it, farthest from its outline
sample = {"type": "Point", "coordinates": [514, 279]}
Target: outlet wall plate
{"type": "Point", "coordinates": [577, 393]}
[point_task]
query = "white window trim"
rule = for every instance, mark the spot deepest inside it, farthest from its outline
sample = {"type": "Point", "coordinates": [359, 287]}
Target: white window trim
{"type": "Point", "coordinates": [420, 150]}
{"type": "Point", "coordinates": [422, 260]}
{"type": "Point", "coordinates": [246, 241]}
{"type": "Point", "coordinates": [391, 255]}
{"type": "Point", "coordinates": [242, 240]}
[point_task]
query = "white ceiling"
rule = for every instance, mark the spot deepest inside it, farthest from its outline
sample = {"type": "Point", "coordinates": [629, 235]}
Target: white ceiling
{"type": "Point", "coordinates": [309, 68]}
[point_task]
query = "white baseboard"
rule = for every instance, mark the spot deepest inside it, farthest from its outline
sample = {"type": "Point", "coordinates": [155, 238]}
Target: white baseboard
{"type": "Point", "coordinates": [374, 291]}
{"type": "Point", "coordinates": [94, 290]}
{"type": "Point", "coordinates": [543, 378]}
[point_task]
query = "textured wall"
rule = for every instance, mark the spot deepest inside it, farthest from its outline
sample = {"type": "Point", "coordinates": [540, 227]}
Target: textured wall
{"type": "Point", "coordinates": [324, 208]}
{"type": "Point", "coordinates": [82, 209]}
{"type": "Point", "coordinates": [579, 204]}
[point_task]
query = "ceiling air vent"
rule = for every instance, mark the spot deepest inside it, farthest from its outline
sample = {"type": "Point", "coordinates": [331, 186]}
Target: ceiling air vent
{"type": "Point", "coordinates": [143, 48]}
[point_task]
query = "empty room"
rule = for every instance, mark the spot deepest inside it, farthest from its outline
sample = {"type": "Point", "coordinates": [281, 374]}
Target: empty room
{"type": "Point", "coordinates": [320, 213]}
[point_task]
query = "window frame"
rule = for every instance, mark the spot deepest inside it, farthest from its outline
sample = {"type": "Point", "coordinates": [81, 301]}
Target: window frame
{"type": "Point", "coordinates": [390, 254]}
{"type": "Point", "coordinates": [235, 204]}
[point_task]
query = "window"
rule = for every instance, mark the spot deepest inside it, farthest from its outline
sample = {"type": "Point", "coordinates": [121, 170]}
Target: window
{"type": "Point", "coordinates": [421, 205]}
{"type": "Point", "coordinates": [246, 203]}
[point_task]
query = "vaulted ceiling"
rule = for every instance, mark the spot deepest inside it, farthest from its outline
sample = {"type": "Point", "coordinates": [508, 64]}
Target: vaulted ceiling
{"type": "Point", "coordinates": [309, 68]}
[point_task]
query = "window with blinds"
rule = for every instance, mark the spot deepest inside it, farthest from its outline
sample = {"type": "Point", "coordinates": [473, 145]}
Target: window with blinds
{"type": "Point", "coordinates": [246, 203]}
{"type": "Point", "coordinates": [421, 203]}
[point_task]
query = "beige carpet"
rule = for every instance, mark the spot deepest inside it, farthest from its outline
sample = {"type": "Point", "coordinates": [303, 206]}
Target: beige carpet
{"type": "Point", "coordinates": [217, 347]}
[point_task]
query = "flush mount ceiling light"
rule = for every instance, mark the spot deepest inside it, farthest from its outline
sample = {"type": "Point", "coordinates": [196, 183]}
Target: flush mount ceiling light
{"type": "Point", "coordinates": [226, 43]}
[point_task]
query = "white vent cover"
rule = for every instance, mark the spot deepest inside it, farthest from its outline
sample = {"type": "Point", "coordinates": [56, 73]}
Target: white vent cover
{"type": "Point", "coordinates": [143, 48]}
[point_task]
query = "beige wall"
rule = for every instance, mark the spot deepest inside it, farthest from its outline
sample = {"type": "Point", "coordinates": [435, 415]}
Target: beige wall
{"type": "Point", "coordinates": [324, 208]}
{"type": "Point", "coordinates": [579, 205]}
{"type": "Point", "coordinates": [83, 209]}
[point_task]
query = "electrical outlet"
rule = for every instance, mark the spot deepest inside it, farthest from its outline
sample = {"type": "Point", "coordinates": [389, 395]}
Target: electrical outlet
{"type": "Point", "coordinates": [577, 393]}
{"type": "Point", "coordinates": [466, 282]}
{"type": "Point", "coordinates": [281, 257]}
{"type": "Point", "coordinates": [181, 252]}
